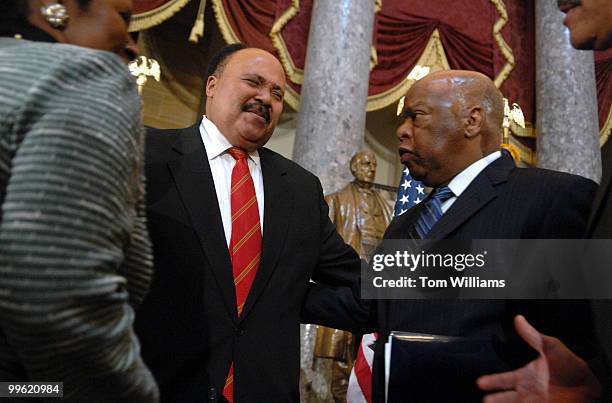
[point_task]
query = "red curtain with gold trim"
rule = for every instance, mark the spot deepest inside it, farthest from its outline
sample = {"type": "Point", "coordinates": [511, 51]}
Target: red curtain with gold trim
{"type": "Point", "coordinates": [250, 21]}
{"type": "Point", "coordinates": [519, 33]}
{"type": "Point", "coordinates": [401, 41]}
{"type": "Point", "coordinates": [603, 75]}
{"type": "Point", "coordinates": [402, 31]}
{"type": "Point", "coordinates": [149, 13]}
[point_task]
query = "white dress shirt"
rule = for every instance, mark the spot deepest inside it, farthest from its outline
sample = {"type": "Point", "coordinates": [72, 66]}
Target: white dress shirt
{"type": "Point", "coordinates": [463, 179]}
{"type": "Point", "coordinates": [221, 165]}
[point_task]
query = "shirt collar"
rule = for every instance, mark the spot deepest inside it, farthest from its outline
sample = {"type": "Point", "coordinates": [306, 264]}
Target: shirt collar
{"type": "Point", "coordinates": [216, 143]}
{"type": "Point", "coordinates": [462, 180]}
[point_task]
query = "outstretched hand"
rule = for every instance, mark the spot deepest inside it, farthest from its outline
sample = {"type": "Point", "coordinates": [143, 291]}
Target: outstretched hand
{"type": "Point", "coordinates": [557, 375]}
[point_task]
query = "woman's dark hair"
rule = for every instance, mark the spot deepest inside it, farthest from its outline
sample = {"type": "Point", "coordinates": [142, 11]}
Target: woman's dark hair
{"type": "Point", "coordinates": [13, 10]}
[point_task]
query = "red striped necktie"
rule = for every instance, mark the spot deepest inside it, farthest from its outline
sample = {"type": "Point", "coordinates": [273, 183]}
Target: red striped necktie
{"type": "Point", "coordinates": [245, 244]}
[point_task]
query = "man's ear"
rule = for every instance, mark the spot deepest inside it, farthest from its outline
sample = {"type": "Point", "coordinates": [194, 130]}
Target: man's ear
{"type": "Point", "coordinates": [211, 86]}
{"type": "Point", "coordinates": [353, 167]}
{"type": "Point", "coordinates": [474, 121]}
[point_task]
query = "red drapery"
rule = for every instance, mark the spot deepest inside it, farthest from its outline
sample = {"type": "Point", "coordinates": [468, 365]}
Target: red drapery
{"type": "Point", "coordinates": [250, 20]}
{"type": "Point", "coordinates": [603, 74]}
{"type": "Point", "coordinates": [148, 13]}
{"type": "Point", "coordinates": [143, 6]}
{"type": "Point", "coordinates": [402, 31]}
{"type": "Point", "coordinates": [400, 43]}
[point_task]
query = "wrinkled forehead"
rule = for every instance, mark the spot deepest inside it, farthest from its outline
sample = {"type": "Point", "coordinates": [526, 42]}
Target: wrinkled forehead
{"type": "Point", "coordinates": [257, 62]}
{"type": "Point", "coordinates": [431, 92]}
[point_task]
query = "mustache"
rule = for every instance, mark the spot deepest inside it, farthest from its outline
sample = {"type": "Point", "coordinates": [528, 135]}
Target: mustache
{"type": "Point", "coordinates": [568, 3]}
{"type": "Point", "coordinates": [259, 108]}
{"type": "Point", "coordinates": [403, 150]}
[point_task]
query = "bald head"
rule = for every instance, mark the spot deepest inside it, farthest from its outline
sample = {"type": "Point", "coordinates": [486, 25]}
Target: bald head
{"type": "Point", "coordinates": [451, 119]}
{"type": "Point", "coordinates": [470, 89]}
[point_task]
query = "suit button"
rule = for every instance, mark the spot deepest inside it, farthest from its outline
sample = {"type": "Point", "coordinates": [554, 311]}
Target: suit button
{"type": "Point", "coordinates": [553, 286]}
{"type": "Point", "coordinates": [212, 394]}
{"type": "Point", "coordinates": [240, 331]}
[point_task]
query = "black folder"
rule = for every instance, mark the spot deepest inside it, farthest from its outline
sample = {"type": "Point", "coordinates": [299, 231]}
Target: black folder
{"type": "Point", "coordinates": [425, 368]}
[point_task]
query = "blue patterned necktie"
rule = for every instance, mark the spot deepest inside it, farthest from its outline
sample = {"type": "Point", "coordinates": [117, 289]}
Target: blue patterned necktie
{"type": "Point", "coordinates": [432, 211]}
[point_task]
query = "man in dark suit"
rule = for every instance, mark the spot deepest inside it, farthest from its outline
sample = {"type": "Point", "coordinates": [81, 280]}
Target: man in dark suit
{"type": "Point", "coordinates": [223, 314]}
{"type": "Point", "coordinates": [558, 375]}
{"type": "Point", "coordinates": [590, 24]}
{"type": "Point", "coordinates": [450, 140]}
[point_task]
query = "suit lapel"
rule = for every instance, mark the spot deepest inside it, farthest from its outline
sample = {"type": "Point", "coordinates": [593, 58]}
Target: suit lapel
{"type": "Point", "coordinates": [603, 192]}
{"type": "Point", "coordinates": [193, 178]}
{"type": "Point", "coordinates": [480, 192]}
{"type": "Point", "coordinates": [278, 206]}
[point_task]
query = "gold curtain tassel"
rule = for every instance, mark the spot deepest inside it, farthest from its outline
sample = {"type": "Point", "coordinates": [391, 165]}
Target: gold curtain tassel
{"type": "Point", "coordinates": [197, 31]}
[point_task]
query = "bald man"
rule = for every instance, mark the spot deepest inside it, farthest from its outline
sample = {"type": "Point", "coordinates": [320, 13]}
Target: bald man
{"type": "Point", "coordinates": [590, 24]}
{"type": "Point", "coordinates": [450, 140]}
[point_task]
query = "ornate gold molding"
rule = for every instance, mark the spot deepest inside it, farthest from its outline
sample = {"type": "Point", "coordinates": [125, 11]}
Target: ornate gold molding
{"type": "Point", "coordinates": [505, 49]}
{"type": "Point", "coordinates": [528, 131]}
{"type": "Point", "coordinates": [224, 25]}
{"type": "Point", "coordinates": [528, 156]}
{"type": "Point", "coordinates": [292, 98]}
{"type": "Point", "coordinates": [294, 73]}
{"type": "Point", "coordinates": [433, 56]}
{"type": "Point", "coordinates": [373, 51]}
{"type": "Point", "coordinates": [373, 57]}
{"type": "Point", "coordinates": [606, 130]}
{"type": "Point", "coordinates": [156, 16]}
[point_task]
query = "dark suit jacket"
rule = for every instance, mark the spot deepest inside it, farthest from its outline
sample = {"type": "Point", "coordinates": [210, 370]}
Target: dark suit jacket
{"type": "Point", "coordinates": [188, 325]}
{"type": "Point", "coordinates": [502, 202]}
{"type": "Point", "coordinates": [600, 227]}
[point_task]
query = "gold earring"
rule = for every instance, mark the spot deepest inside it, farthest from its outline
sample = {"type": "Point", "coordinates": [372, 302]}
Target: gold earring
{"type": "Point", "coordinates": [56, 15]}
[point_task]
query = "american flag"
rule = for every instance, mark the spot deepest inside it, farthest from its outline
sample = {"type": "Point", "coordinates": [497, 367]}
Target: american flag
{"type": "Point", "coordinates": [409, 194]}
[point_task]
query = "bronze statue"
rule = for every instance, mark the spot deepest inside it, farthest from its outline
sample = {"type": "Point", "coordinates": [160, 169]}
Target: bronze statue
{"type": "Point", "coordinates": [361, 216]}
{"type": "Point", "coordinates": [360, 213]}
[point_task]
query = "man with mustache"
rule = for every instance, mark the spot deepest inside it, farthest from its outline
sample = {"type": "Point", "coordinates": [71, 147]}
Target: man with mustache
{"type": "Point", "coordinates": [559, 375]}
{"type": "Point", "coordinates": [449, 139]}
{"type": "Point", "coordinates": [241, 237]}
{"type": "Point", "coordinates": [589, 22]}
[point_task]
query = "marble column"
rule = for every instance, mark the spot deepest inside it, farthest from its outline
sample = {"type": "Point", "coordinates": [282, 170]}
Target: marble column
{"type": "Point", "coordinates": [331, 122]}
{"type": "Point", "coordinates": [331, 126]}
{"type": "Point", "coordinates": [566, 98]}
